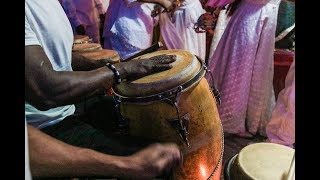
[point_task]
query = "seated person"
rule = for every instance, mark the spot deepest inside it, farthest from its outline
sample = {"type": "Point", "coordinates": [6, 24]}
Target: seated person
{"type": "Point", "coordinates": [55, 79]}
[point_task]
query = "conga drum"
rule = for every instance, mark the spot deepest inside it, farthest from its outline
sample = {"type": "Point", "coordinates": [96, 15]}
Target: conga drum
{"type": "Point", "coordinates": [282, 62]}
{"type": "Point", "coordinates": [106, 54]}
{"type": "Point", "coordinates": [86, 47]}
{"type": "Point", "coordinates": [79, 39]}
{"type": "Point", "coordinates": [177, 106]}
{"type": "Point", "coordinates": [260, 161]}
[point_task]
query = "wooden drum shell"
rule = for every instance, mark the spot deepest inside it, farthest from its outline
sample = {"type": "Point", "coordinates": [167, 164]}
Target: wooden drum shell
{"type": "Point", "coordinates": [150, 120]}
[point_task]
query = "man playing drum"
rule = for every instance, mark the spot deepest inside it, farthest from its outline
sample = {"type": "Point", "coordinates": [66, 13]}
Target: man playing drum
{"type": "Point", "coordinates": [54, 81]}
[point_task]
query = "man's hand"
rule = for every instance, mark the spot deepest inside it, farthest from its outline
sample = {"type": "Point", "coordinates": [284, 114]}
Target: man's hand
{"type": "Point", "coordinates": [81, 29]}
{"type": "Point", "coordinates": [154, 161]}
{"type": "Point", "coordinates": [138, 68]}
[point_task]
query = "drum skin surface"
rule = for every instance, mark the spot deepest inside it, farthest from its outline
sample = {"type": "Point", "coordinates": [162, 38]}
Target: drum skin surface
{"type": "Point", "coordinates": [86, 47]}
{"type": "Point", "coordinates": [184, 68]}
{"type": "Point", "coordinates": [111, 55]}
{"type": "Point", "coordinates": [197, 107]}
{"type": "Point", "coordinates": [262, 161]}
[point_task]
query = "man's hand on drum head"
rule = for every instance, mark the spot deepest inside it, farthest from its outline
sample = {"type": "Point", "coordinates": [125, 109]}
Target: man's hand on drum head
{"type": "Point", "coordinates": [155, 160]}
{"type": "Point", "coordinates": [138, 68]}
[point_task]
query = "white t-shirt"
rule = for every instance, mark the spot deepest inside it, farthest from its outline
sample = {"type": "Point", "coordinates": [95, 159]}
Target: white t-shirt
{"type": "Point", "coordinates": [47, 25]}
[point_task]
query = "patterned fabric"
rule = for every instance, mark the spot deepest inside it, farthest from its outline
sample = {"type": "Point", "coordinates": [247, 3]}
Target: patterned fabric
{"type": "Point", "coordinates": [242, 66]}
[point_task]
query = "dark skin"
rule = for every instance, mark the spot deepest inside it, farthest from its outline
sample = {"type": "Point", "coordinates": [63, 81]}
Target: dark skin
{"type": "Point", "coordinates": [81, 63]}
{"type": "Point", "coordinates": [69, 161]}
{"type": "Point", "coordinates": [46, 88]}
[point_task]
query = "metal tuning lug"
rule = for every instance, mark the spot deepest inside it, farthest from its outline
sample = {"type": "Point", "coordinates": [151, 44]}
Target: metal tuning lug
{"type": "Point", "coordinates": [181, 126]}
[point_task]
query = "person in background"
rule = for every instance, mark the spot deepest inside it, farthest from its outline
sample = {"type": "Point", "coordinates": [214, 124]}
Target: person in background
{"type": "Point", "coordinates": [242, 67]}
{"type": "Point", "coordinates": [85, 16]}
{"type": "Point", "coordinates": [281, 128]}
{"type": "Point", "coordinates": [62, 143]}
{"type": "Point", "coordinates": [102, 6]}
{"type": "Point", "coordinates": [129, 25]}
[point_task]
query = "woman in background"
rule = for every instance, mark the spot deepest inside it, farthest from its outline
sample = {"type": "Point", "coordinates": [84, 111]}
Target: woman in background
{"type": "Point", "coordinates": [242, 67]}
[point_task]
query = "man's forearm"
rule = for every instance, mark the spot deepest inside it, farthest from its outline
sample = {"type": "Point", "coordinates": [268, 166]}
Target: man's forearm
{"type": "Point", "coordinates": [46, 88]}
{"type": "Point", "coordinates": [81, 63]}
{"type": "Point", "coordinates": [53, 158]}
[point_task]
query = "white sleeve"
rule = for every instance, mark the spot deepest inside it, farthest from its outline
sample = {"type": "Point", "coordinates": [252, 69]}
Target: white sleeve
{"type": "Point", "coordinates": [30, 36]}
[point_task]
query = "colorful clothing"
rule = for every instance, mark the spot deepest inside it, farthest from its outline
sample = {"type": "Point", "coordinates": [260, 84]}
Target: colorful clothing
{"type": "Point", "coordinates": [242, 66]}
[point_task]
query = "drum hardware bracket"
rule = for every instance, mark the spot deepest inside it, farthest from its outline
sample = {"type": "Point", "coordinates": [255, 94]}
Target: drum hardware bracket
{"type": "Point", "coordinates": [215, 91]}
{"type": "Point", "coordinates": [122, 123]}
{"type": "Point", "coordinates": [178, 123]}
{"type": "Point", "coordinates": [183, 131]}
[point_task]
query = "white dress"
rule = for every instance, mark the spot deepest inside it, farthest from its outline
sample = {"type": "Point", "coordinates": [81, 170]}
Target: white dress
{"type": "Point", "coordinates": [281, 128]}
{"type": "Point", "coordinates": [178, 33]}
{"type": "Point", "coordinates": [242, 66]}
{"type": "Point", "coordinates": [221, 25]}
{"type": "Point", "coordinates": [128, 27]}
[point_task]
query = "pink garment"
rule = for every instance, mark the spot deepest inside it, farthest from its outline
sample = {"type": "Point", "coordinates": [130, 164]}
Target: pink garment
{"type": "Point", "coordinates": [218, 3]}
{"type": "Point", "coordinates": [281, 128]}
{"type": "Point", "coordinates": [242, 68]}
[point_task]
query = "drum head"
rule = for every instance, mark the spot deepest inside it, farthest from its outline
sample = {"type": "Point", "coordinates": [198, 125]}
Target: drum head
{"type": "Point", "coordinates": [102, 54]}
{"type": "Point", "coordinates": [78, 39]}
{"type": "Point", "coordinates": [265, 161]}
{"type": "Point", "coordinates": [86, 47]}
{"type": "Point", "coordinates": [183, 69]}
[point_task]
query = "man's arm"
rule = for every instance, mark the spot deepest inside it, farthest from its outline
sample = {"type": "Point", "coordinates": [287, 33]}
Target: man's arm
{"type": "Point", "coordinates": [81, 63]}
{"type": "Point", "coordinates": [46, 88]}
{"type": "Point", "coordinates": [52, 158]}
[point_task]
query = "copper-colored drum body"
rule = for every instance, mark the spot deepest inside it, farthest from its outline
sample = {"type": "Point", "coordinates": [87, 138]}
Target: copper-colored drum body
{"type": "Point", "coordinates": [158, 119]}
